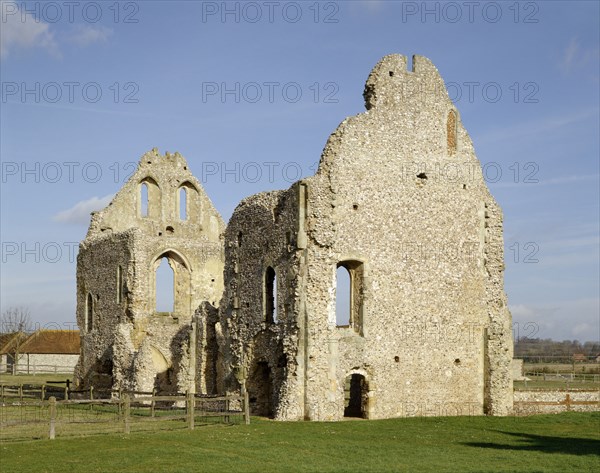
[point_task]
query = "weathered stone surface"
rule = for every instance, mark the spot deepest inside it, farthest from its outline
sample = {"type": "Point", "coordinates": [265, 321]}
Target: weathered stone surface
{"type": "Point", "coordinates": [128, 344]}
{"type": "Point", "coordinates": [399, 200]}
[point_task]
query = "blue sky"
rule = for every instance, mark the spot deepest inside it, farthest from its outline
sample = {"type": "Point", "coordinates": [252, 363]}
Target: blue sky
{"type": "Point", "coordinates": [248, 92]}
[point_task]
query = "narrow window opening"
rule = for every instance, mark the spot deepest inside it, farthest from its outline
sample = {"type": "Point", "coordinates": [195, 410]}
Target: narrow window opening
{"type": "Point", "coordinates": [342, 297]}
{"type": "Point", "coordinates": [164, 289]}
{"type": "Point", "coordinates": [355, 206]}
{"type": "Point", "coordinates": [89, 313]}
{"type": "Point", "coordinates": [144, 199]}
{"type": "Point", "coordinates": [391, 73]}
{"type": "Point", "coordinates": [119, 284]}
{"type": "Point", "coordinates": [182, 203]}
{"type": "Point", "coordinates": [239, 239]}
{"type": "Point", "coordinates": [270, 296]}
{"type": "Point", "coordinates": [349, 295]}
{"type": "Point", "coordinates": [422, 176]}
{"type": "Point", "coordinates": [397, 359]}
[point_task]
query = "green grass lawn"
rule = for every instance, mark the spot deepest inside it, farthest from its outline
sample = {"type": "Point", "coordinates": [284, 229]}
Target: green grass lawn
{"type": "Point", "coordinates": [550, 443]}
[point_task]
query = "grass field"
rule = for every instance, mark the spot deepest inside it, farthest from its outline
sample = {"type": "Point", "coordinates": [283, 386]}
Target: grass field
{"type": "Point", "coordinates": [551, 443]}
{"type": "Point", "coordinates": [32, 379]}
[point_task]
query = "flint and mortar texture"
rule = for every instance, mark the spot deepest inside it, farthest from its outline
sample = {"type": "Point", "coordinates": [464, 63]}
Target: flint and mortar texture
{"type": "Point", "coordinates": [399, 201]}
{"type": "Point", "coordinates": [128, 344]}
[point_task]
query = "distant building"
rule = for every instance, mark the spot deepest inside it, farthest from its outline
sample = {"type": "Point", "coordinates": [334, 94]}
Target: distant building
{"type": "Point", "coordinates": [45, 351]}
{"type": "Point", "coordinates": [579, 358]}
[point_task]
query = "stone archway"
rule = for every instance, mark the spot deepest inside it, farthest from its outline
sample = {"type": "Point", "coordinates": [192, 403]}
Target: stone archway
{"type": "Point", "coordinates": [356, 396]}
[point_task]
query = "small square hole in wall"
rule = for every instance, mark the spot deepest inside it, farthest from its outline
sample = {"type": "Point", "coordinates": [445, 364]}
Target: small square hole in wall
{"type": "Point", "coordinates": [397, 359]}
{"type": "Point", "coordinates": [355, 206]}
{"type": "Point", "coordinates": [422, 176]}
{"type": "Point", "coordinates": [457, 361]}
{"type": "Point", "coordinates": [247, 304]}
{"type": "Point", "coordinates": [464, 186]}
{"type": "Point", "coordinates": [391, 73]}
{"type": "Point", "coordinates": [170, 230]}
{"type": "Point", "coordinates": [149, 162]}
{"type": "Point", "coordinates": [159, 233]}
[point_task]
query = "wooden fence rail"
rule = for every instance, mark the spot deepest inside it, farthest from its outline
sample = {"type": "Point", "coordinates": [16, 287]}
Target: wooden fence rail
{"type": "Point", "coordinates": [126, 410]}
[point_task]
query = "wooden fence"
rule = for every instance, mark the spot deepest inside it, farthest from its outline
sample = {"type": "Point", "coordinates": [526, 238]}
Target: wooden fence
{"type": "Point", "coordinates": [24, 417]}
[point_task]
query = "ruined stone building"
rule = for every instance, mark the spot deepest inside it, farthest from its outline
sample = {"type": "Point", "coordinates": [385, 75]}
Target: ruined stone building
{"type": "Point", "coordinates": [398, 206]}
{"type": "Point", "coordinates": [125, 341]}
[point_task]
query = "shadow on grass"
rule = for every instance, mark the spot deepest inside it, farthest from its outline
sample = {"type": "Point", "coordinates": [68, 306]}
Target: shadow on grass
{"type": "Point", "coordinates": [546, 444]}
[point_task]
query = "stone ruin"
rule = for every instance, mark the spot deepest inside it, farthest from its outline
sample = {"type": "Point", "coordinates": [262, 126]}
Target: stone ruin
{"type": "Point", "coordinates": [398, 205]}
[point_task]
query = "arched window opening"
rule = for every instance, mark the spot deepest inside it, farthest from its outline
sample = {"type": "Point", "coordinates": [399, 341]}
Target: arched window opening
{"type": "Point", "coordinates": [165, 287]}
{"type": "Point", "coordinates": [349, 288]}
{"type": "Point", "coordinates": [144, 200]}
{"type": "Point", "coordinates": [149, 204]}
{"type": "Point", "coordinates": [183, 204]}
{"type": "Point", "coordinates": [356, 397]}
{"type": "Point", "coordinates": [342, 297]}
{"type": "Point", "coordinates": [451, 132]}
{"type": "Point", "coordinates": [270, 296]}
{"type": "Point", "coordinates": [119, 284]}
{"type": "Point", "coordinates": [89, 313]}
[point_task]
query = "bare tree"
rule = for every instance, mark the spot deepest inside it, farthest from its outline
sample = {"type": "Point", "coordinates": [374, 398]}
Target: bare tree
{"type": "Point", "coordinates": [17, 321]}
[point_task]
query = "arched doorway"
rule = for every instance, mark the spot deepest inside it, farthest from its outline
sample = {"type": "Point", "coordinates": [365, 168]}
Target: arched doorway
{"type": "Point", "coordinates": [356, 391]}
{"type": "Point", "coordinates": [260, 388]}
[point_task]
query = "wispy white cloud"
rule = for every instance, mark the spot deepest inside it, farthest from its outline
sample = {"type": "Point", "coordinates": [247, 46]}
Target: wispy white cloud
{"type": "Point", "coordinates": [20, 29]}
{"type": "Point", "coordinates": [371, 6]}
{"type": "Point", "coordinates": [575, 58]}
{"type": "Point", "coordinates": [80, 212]}
{"type": "Point", "coordinates": [84, 35]}
{"type": "Point", "coordinates": [574, 179]}
{"type": "Point", "coordinates": [544, 125]}
{"type": "Point", "coordinates": [570, 319]}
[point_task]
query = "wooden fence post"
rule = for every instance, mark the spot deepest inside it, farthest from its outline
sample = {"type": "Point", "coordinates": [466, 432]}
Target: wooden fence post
{"type": "Point", "coordinates": [190, 405]}
{"type": "Point", "coordinates": [66, 393]}
{"type": "Point", "coordinates": [52, 418]}
{"type": "Point", "coordinates": [126, 412]}
{"type": "Point", "coordinates": [152, 403]}
{"type": "Point", "coordinates": [43, 392]}
{"type": "Point", "coordinates": [21, 392]}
